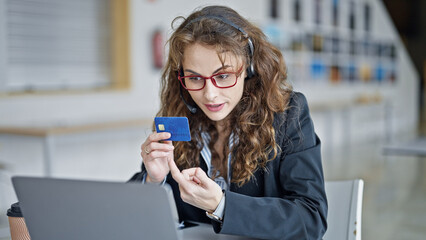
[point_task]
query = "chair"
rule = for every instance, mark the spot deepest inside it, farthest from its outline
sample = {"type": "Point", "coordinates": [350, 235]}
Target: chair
{"type": "Point", "coordinates": [344, 209]}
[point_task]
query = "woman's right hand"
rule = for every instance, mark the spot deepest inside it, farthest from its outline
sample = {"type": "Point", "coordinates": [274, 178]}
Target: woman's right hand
{"type": "Point", "coordinates": [155, 153]}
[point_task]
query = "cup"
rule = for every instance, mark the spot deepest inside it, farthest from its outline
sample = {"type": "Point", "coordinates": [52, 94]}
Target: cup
{"type": "Point", "coordinates": [18, 228]}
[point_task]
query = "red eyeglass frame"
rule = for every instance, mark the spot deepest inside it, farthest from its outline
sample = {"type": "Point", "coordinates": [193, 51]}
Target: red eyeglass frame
{"type": "Point", "coordinates": [237, 74]}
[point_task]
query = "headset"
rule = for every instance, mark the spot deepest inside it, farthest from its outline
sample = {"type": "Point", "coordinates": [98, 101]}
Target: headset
{"type": "Point", "coordinates": [250, 69]}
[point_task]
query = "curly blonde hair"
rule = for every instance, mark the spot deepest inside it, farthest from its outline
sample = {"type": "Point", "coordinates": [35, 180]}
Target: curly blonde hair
{"type": "Point", "coordinates": [265, 94]}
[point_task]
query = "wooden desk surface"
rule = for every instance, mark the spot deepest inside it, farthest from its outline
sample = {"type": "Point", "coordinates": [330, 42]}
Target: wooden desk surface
{"type": "Point", "coordinates": [362, 100]}
{"type": "Point", "coordinates": [415, 147]}
{"type": "Point", "coordinates": [58, 129]}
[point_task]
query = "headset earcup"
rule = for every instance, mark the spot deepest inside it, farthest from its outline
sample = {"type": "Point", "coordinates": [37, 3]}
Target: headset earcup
{"type": "Point", "coordinates": [250, 71]}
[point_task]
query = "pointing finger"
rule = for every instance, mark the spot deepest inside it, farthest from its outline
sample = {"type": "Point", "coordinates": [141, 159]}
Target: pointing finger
{"type": "Point", "coordinates": [174, 170]}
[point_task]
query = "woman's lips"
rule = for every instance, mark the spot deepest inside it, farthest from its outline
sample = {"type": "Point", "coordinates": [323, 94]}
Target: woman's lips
{"type": "Point", "coordinates": [214, 107]}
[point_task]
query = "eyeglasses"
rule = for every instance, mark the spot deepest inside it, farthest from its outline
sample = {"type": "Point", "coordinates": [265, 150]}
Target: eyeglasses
{"type": "Point", "coordinates": [219, 80]}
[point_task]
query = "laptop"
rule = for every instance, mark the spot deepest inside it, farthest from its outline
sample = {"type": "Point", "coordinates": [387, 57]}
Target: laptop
{"type": "Point", "coordinates": [77, 209]}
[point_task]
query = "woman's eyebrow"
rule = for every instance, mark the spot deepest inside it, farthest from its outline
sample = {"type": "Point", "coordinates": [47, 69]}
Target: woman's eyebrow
{"type": "Point", "coordinates": [217, 70]}
{"type": "Point", "coordinates": [191, 71]}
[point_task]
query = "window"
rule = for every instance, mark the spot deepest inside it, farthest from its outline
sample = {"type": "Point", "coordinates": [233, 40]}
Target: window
{"type": "Point", "coordinates": [51, 45]}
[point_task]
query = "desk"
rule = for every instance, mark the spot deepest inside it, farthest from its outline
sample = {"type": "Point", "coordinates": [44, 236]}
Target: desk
{"type": "Point", "coordinates": [205, 232]}
{"type": "Point", "coordinates": [48, 131]}
{"type": "Point", "coordinates": [415, 147]}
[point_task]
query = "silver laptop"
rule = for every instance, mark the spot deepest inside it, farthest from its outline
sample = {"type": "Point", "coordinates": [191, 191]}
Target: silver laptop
{"type": "Point", "coordinates": [75, 209]}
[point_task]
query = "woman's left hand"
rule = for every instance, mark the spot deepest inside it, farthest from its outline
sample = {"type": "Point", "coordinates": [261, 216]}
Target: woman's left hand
{"type": "Point", "coordinates": [196, 188]}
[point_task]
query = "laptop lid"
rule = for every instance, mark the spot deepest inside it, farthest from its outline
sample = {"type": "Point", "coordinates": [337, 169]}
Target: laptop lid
{"type": "Point", "coordinates": [77, 209]}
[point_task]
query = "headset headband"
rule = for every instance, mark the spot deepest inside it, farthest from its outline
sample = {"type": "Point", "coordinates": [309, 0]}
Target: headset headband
{"type": "Point", "coordinates": [224, 20]}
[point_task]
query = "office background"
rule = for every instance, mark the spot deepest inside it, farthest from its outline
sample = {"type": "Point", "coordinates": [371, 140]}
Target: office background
{"type": "Point", "coordinates": [81, 80]}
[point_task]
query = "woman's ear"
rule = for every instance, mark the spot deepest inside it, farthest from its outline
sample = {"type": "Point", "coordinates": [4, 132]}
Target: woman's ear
{"type": "Point", "coordinates": [245, 74]}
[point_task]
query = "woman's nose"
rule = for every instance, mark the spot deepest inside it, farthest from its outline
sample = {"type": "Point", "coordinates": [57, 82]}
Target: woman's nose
{"type": "Point", "coordinates": [210, 90]}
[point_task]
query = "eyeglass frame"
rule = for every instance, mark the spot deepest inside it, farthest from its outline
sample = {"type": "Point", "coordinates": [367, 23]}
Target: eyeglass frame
{"type": "Point", "coordinates": [237, 74]}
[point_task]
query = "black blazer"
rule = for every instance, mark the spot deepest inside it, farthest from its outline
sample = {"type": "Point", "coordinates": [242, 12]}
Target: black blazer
{"type": "Point", "coordinates": [285, 201]}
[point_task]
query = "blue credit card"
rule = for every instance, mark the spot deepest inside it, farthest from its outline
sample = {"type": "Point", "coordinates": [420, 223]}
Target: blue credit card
{"type": "Point", "coordinates": [178, 127]}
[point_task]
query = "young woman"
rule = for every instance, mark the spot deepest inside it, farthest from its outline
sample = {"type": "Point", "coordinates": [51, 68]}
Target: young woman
{"type": "Point", "coordinates": [253, 166]}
